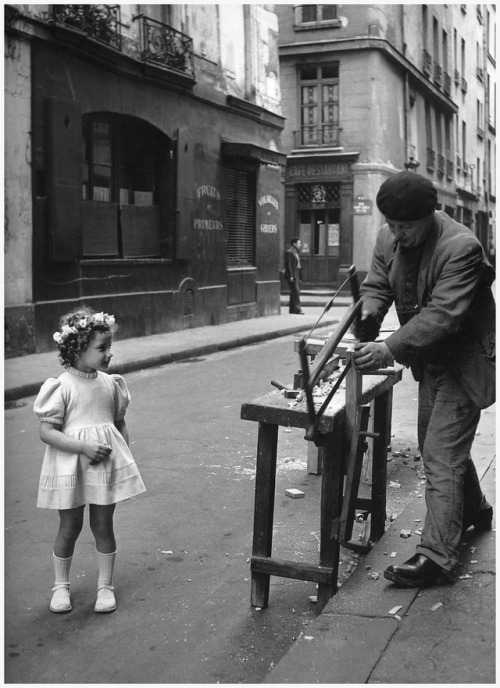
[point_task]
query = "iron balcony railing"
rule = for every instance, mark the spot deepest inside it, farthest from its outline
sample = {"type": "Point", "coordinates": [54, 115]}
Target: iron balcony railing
{"type": "Point", "coordinates": [166, 46]}
{"type": "Point", "coordinates": [440, 165]}
{"type": "Point", "coordinates": [438, 74]}
{"type": "Point", "coordinates": [101, 22]}
{"type": "Point", "coordinates": [326, 135]}
{"type": "Point", "coordinates": [431, 159]}
{"type": "Point", "coordinates": [446, 83]}
{"type": "Point", "coordinates": [427, 63]}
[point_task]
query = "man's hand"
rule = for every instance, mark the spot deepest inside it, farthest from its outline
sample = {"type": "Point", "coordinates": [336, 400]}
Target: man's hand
{"type": "Point", "coordinates": [371, 356]}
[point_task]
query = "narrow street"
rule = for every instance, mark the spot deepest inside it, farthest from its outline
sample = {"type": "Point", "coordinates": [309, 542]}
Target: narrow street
{"type": "Point", "coordinates": [182, 574]}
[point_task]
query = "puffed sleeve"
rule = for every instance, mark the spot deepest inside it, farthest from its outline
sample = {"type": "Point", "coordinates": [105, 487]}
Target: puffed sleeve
{"type": "Point", "coordinates": [49, 405]}
{"type": "Point", "coordinates": [121, 395]}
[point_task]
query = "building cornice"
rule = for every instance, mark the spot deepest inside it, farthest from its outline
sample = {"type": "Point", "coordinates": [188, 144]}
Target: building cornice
{"type": "Point", "coordinates": [322, 47]}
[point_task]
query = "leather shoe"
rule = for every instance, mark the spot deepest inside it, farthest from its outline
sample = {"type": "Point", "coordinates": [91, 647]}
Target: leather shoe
{"type": "Point", "coordinates": [484, 519]}
{"type": "Point", "coordinates": [418, 572]}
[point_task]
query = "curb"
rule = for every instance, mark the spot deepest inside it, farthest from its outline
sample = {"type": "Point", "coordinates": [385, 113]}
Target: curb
{"type": "Point", "coordinates": [31, 388]}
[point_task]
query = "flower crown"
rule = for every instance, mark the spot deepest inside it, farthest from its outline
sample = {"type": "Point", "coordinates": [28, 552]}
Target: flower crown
{"type": "Point", "coordinates": [83, 324]}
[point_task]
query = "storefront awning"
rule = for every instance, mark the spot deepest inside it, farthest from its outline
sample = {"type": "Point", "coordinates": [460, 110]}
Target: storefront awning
{"type": "Point", "coordinates": [250, 151]}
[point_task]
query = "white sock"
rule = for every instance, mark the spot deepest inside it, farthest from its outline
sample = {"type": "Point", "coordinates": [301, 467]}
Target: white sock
{"type": "Point", "coordinates": [61, 569]}
{"type": "Point", "coordinates": [106, 563]}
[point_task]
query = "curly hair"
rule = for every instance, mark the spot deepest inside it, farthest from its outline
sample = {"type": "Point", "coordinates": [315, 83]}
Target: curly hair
{"type": "Point", "coordinates": [75, 343]}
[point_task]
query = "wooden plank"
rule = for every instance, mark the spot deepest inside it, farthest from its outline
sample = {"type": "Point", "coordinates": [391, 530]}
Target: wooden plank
{"type": "Point", "coordinates": [273, 408]}
{"type": "Point", "coordinates": [290, 569]}
{"type": "Point", "coordinates": [354, 466]}
{"type": "Point", "coordinates": [265, 486]}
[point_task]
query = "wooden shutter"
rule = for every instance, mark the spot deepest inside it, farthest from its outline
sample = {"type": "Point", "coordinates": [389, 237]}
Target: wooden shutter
{"type": "Point", "coordinates": [240, 212]}
{"type": "Point", "coordinates": [64, 120]}
{"type": "Point", "coordinates": [184, 195]}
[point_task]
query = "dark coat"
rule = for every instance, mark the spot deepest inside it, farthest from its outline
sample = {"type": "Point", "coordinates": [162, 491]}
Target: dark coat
{"type": "Point", "coordinates": [292, 269]}
{"type": "Point", "coordinates": [457, 309]}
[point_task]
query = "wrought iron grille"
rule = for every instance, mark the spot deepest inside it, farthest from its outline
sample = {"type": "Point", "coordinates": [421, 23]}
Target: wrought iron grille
{"type": "Point", "coordinates": [431, 159]}
{"type": "Point", "coordinates": [438, 74]}
{"type": "Point", "coordinates": [166, 46]}
{"type": "Point", "coordinates": [325, 195]}
{"type": "Point", "coordinates": [101, 22]}
{"type": "Point", "coordinates": [427, 63]}
{"type": "Point", "coordinates": [447, 83]}
{"type": "Point", "coordinates": [441, 164]}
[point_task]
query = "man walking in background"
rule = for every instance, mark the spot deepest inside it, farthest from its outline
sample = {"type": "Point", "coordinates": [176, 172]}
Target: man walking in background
{"type": "Point", "coordinates": [293, 274]}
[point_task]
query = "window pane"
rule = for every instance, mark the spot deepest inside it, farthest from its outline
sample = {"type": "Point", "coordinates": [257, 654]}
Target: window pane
{"type": "Point", "coordinates": [102, 143]}
{"type": "Point", "coordinates": [102, 183]}
{"type": "Point", "coordinates": [330, 71]}
{"type": "Point", "coordinates": [333, 239]}
{"type": "Point", "coordinates": [309, 13]}
{"type": "Point", "coordinates": [308, 73]}
{"type": "Point", "coordinates": [329, 12]}
{"type": "Point", "coordinates": [305, 232]}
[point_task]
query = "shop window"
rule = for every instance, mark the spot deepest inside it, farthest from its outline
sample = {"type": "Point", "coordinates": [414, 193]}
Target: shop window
{"type": "Point", "coordinates": [126, 188]}
{"type": "Point", "coordinates": [319, 105]}
{"type": "Point", "coordinates": [240, 211]}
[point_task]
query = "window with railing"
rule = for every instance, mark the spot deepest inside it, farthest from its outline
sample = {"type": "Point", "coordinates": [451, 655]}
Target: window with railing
{"type": "Point", "coordinates": [438, 74]}
{"type": "Point", "coordinates": [165, 46]}
{"type": "Point", "coordinates": [449, 170]}
{"type": "Point", "coordinates": [100, 22]}
{"type": "Point", "coordinates": [431, 160]}
{"type": "Point", "coordinates": [447, 83]}
{"type": "Point", "coordinates": [319, 105]}
{"type": "Point", "coordinates": [426, 62]}
{"type": "Point", "coordinates": [440, 164]}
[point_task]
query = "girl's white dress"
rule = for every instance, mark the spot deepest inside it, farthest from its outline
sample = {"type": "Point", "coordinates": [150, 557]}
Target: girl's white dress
{"type": "Point", "coordinates": [85, 406]}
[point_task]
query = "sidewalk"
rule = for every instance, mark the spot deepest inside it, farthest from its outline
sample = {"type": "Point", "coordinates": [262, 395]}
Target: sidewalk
{"type": "Point", "coordinates": [24, 375]}
{"type": "Point", "coordinates": [371, 631]}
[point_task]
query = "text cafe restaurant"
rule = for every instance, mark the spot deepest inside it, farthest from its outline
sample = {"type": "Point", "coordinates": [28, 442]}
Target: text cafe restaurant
{"type": "Point", "coordinates": [319, 210]}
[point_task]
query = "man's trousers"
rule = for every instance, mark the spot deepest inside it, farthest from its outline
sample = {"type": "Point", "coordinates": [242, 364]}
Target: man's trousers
{"type": "Point", "coordinates": [447, 422]}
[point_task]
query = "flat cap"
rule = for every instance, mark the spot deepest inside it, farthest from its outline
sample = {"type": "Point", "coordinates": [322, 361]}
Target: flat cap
{"type": "Point", "coordinates": [407, 196]}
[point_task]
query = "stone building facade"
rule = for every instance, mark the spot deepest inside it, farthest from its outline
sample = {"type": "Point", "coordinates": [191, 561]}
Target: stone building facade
{"type": "Point", "coordinates": [142, 168]}
{"type": "Point", "coordinates": [369, 90]}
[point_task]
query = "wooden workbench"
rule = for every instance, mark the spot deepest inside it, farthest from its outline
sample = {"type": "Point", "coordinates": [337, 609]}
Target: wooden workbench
{"type": "Point", "coordinates": [273, 410]}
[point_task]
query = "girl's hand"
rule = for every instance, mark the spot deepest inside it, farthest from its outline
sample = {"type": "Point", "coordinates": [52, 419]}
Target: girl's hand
{"type": "Point", "coordinates": [96, 451]}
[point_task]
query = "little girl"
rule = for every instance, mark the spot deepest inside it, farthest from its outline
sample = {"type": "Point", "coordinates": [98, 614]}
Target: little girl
{"type": "Point", "coordinates": [87, 460]}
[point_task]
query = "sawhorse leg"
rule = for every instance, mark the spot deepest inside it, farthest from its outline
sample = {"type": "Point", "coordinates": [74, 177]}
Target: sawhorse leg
{"type": "Point", "coordinates": [331, 457]}
{"type": "Point", "coordinates": [382, 426]}
{"type": "Point", "coordinates": [265, 484]}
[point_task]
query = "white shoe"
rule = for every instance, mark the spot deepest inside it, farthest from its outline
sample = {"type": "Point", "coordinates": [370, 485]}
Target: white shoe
{"type": "Point", "coordinates": [60, 602]}
{"type": "Point", "coordinates": [105, 602]}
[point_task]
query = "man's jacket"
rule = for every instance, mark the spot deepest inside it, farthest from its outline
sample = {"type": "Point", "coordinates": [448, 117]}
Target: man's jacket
{"type": "Point", "coordinates": [456, 309]}
{"type": "Point", "coordinates": [292, 269]}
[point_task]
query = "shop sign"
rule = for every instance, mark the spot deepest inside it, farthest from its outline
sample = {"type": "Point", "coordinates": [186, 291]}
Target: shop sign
{"type": "Point", "coordinates": [208, 208]}
{"type": "Point", "coordinates": [320, 170]}
{"type": "Point", "coordinates": [268, 227]}
{"type": "Point", "coordinates": [362, 206]}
